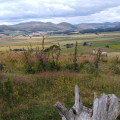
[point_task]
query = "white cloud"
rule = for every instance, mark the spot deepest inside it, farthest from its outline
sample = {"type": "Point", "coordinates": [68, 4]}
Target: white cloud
{"type": "Point", "coordinates": [74, 11]}
{"type": "Point", "coordinates": [109, 15]}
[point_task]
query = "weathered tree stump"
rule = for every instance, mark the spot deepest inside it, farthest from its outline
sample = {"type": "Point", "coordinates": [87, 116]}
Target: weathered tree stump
{"type": "Point", "coordinates": [105, 107]}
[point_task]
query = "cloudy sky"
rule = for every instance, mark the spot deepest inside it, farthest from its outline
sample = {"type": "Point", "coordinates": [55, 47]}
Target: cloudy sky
{"type": "Point", "coordinates": [72, 11]}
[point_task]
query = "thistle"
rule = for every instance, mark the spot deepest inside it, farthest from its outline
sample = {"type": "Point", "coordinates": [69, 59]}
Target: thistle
{"type": "Point", "coordinates": [43, 43]}
{"type": "Point", "coordinates": [44, 57]}
{"type": "Point", "coordinates": [75, 58]}
{"type": "Point", "coordinates": [58, 53]}
{"type": "Point", "coordinates": [23, 49]}
{"type": "Point", "coordinates": [38, 56]}
{"type": "Point", "coordinates": [98, 57]}
{"type": "Point", "coordinates": [53, 57]}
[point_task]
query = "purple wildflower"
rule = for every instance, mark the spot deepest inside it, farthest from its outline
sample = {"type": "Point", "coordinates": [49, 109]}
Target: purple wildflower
{"type": "Point", "coordinates": [53, 57]}
{"type": "Point", "coordinates": [38, 56]}
{"type": "Point", "coordinates": [44, 57]}
{"type": "Point", "coordinates": [99, 49]}
{"type": "Point", "coordinates": [23, 49]}
{"type": "Point", "coordinates": [58, 43]}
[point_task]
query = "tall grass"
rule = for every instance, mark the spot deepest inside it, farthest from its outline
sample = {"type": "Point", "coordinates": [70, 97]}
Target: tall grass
{"type": "Point", "coordinates": [39, 93]}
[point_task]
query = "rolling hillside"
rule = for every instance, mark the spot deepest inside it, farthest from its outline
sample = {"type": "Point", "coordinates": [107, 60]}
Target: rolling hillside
{"type": "Point", "coordinates": [30, 27]}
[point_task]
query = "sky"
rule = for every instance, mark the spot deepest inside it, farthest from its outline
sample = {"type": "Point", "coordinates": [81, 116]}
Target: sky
{"type": "Point", "coordinates": [56, 11]}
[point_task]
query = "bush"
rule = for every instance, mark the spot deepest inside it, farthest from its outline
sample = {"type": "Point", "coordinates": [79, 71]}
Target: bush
{"type": "Point", "coordinates": [85, 44]}
{"type": "Point", "coordinates": [107, 46]}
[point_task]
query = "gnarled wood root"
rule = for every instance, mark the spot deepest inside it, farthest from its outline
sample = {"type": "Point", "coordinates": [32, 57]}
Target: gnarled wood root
{"type": "Point", "coordinates": [105, 107]}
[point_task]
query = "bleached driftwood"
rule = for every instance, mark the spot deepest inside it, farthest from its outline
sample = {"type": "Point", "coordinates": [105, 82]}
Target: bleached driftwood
{"type": "Point", "coordinates": [105, 107]}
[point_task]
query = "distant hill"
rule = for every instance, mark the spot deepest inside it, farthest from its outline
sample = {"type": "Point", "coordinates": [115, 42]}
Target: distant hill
{"type": "Point", "coordinates": [67, 26]}
{"type": "Point", "coordinates": [38, 26]}
{"type": "Point", "coordinates": [102, 25]}
{"type": "Point", "coordinates": [29, 27]}
{"type": "Point", "coordinates": [7, 28]}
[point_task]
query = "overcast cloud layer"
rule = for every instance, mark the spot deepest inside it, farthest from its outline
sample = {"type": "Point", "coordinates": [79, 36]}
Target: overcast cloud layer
{"type": "Point", "coordinates": [72, 11]}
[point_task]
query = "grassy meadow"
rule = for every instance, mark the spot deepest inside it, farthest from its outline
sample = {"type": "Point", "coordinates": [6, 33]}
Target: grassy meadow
{"type": "Point", "coordinates": [31, 96]}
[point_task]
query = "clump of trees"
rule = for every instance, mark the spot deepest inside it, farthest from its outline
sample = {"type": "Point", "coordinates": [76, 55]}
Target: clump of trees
{"type": "Point", "coordinates": [69, 45]}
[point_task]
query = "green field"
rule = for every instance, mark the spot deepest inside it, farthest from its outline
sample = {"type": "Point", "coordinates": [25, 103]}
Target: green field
{"type": "Point", "coordinates": [101, 40]}
{"type": "Point", "coordinates": [34, 94]}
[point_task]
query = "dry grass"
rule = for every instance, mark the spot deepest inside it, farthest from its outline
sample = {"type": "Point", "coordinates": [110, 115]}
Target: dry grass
{"type": "Point", "coordinates": [39, 92]}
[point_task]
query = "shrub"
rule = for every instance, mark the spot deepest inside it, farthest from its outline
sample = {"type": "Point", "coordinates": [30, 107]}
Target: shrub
{"type": "Point", "coordinates": [107, 46]}
{"type": "Point", "coordinates": [69, 45]}
{"type": "Point", "coordinates": [85, 44]}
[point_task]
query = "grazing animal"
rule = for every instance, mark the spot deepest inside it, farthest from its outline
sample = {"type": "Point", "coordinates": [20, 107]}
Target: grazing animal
{"type": "Point", "coordinates": [94, 52]}
{"type": "Point", "coordinates": [104, 54]}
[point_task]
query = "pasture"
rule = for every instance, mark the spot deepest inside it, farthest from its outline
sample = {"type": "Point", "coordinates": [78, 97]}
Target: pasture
{"type": "Point", "coordinates": [100, 40]}
{"type": "Point", "coordinates": [34, 94]}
